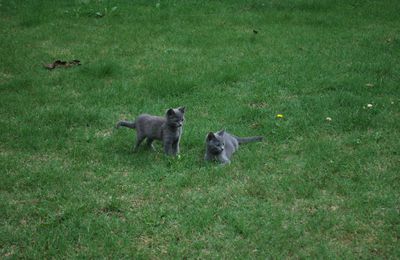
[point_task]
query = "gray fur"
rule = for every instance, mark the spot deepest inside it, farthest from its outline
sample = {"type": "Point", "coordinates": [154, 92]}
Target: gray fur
{"type": "Point", "coordinates": [221, 145]}
{"type": "Point", "coordinates": [167, 129]}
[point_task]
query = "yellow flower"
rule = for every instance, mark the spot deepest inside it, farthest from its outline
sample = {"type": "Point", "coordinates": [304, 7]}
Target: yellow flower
{"type": "Point", "coordinates": [279, 116]}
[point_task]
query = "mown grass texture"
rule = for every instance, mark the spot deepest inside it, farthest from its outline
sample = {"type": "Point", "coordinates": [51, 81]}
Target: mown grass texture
{"type": "Point", "coordinates": [71, 186]}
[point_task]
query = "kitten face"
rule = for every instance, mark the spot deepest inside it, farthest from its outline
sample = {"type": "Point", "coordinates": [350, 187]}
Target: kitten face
{"type": "Point", "coordinates": [215, 143]}
{"type": "Point", "coordinates": [175, 117]}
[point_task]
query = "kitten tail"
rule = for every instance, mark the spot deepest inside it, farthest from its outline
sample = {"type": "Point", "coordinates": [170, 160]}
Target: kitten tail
{"type": "Point", "coordinates": [243, 140]}
{"type": "Point", "coordinates": [126, 124]}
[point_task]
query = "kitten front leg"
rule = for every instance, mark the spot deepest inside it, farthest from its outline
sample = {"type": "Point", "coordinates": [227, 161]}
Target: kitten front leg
{"type": "Point", "coordinates": [168, 148]}
{"type": "Point", "coordinates": [223, 159]}
{"type": "Point", "coordinates": [208, 157]}
{"type": "Point", "coordinates": [175, 148]}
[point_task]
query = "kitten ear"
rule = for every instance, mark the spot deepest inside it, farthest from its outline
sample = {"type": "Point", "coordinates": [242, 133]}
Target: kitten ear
{"type": "Point", "coordinates": [221, 133]}
{"type": "Point", "coordinates": [182, 109]}
{"type": "Point", "coordinates": [170, 112]}
{"type": "Point", "coordinates": [210, 136]}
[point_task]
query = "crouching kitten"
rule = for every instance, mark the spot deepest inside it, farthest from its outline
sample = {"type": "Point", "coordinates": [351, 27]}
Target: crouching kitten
{"type": "Point", "coordinates": [221, 145]}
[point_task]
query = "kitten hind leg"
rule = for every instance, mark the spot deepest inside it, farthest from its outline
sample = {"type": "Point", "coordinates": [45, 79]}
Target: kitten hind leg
{"type": "Point", "coordinates": [149, 143]}
{"type": "Point", "coordinates": [139, 140]}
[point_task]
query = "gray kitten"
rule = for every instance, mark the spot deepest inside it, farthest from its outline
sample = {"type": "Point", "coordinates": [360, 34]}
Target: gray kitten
{"type": "Point", "coordinates": [221, 145]}
{"type": "Point", "coordinates": [168, 129]}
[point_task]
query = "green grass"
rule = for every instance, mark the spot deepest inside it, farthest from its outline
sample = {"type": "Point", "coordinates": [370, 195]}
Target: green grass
{"type": "Point", "coordinates": [71, 187]}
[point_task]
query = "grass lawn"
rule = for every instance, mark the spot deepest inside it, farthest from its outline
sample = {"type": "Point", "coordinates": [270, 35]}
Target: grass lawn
{"type": "Point", "coordinates": [323, 184]}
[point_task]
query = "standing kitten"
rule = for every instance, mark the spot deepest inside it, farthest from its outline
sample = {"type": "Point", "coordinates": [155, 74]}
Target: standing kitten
{"type": "Point", "coordinates": [168, 129]}
{"type": "Point", "coordinates": [221, 145]}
